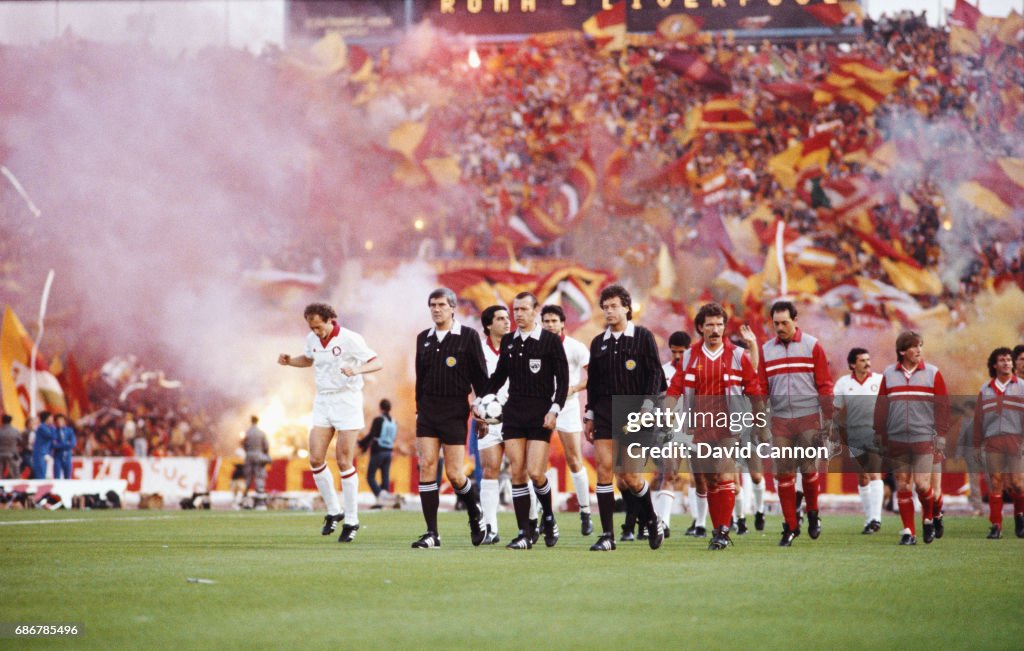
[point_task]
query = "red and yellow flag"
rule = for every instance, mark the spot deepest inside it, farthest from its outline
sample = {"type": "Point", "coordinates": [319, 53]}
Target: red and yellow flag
{"type": "Point", "coordinates": [16, 375]}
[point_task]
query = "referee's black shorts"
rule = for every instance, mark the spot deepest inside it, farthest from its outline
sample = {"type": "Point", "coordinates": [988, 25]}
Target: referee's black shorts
{"type": "Point", "coordinates": [602, 420]}
{"type": "Point", "coordinates": [524, 419]}
{"type": "Point", "coordinates": [443, 417]}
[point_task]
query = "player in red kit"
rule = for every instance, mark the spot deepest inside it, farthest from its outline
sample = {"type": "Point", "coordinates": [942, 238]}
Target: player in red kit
{"type": "Point", "coordinates": [712, 377]}
{"type": "Point", "coordinates": [911, 413]}
{"type": "Point", "coordinates": [999, 430]}
{"type": "Point", "coordinates": [794, 371]}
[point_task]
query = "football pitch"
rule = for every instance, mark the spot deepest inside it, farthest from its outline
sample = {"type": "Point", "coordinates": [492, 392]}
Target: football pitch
{"type": "Point", "coordinates": [269, 580]}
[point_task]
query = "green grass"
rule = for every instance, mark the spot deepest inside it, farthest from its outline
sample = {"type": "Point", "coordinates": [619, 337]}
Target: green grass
{"type": "Point", "coordinates": [280, 585]}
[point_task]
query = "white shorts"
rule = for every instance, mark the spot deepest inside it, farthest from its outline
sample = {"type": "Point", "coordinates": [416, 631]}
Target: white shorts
{"type": "Point", "coordinates": [493, 438]}
{"type": "Point", "coordinates": [569, 418]}
{"type": "Point", "coordinates": [342, 410]}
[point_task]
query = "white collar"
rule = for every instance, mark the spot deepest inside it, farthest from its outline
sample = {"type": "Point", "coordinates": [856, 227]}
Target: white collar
{"type": "Point", "coordinates": [712, 355]}
{"type": "Point", "coordinates": [534, 334]}
{"type": "Point", "coordinates": [628, 332]}
{"type": "Point", "coordinates": [1002, 386]}
{"type": "Point", "coordinates": [456, 329]}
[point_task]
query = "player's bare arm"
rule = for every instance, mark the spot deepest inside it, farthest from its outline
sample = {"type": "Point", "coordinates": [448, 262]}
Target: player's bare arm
{"type": "Point", "coordinates": [371, 366]}
{"type": "Point", "coordinates": [298, 361]}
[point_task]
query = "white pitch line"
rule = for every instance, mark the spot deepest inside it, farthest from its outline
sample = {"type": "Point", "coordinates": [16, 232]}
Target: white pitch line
{"type": "Point", "coordinates": [149, 517]}
{"type": "Point", "coordinates": [152, 517]}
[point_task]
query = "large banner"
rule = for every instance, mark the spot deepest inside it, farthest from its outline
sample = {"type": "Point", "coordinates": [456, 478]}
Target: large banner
{"type": "Point", "coordinates": [492, 17]}
{"type": "Point", "coordinates": [357, 19]}
{"type": "Point", "coordinates": [715, 15]}
{"type": "Point", "coordinates": [171, 477]}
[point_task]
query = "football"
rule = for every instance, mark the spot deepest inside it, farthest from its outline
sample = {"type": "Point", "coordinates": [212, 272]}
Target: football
{"type": "Point", "coordinates": [488, 409]}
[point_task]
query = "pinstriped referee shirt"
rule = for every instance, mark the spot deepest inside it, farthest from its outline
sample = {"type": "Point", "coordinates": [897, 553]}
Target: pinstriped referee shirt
{"type": "Point", "coordinates": [449, 366]}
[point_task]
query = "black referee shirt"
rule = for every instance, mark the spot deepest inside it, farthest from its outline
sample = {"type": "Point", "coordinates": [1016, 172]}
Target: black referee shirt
{"type": "Point", "coordinates": [450, 367]}
{"type": "Point", "coordinates": [535, 367]}
{"type": "Point", "coordinates": [625, 366]}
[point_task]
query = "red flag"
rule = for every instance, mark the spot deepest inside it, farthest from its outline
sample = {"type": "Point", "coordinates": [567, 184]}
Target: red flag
{"type": "Point", "coordinates": [965, 14]}
{"type": "Point", "coordinates": [725, 115]}
{"type": "Point", "coordinates": [734, 264]}
{"type": "Point", "coordinates": [612, 190]}
{"type": "Point", "coordinates": [694, 66]}
{"type": "Point", "coordinates": [829, 15]}
{"type": "Point", "coordinates": [74, 389]}
{"type": "Point", "coordinates": [800, 93]}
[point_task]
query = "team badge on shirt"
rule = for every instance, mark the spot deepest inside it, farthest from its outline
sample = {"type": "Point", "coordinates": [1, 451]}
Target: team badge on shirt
{"type": "Point", "coordinates": [451, 361]}
{"type": "Point", "coordinates": [630, 364]}
{"type": "Point", "coordinates": [535, 366]}
{"type": "Point", "coordinates": [336, 350]}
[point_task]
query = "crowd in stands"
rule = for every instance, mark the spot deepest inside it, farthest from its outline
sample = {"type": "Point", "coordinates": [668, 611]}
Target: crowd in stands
{"type": "Point", "coordinates": [519, 122]}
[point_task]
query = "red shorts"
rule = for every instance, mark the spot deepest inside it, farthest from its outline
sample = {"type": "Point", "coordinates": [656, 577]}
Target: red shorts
{"type": "Point", "coordinates": [903, 449]}
{"type": "Point", "coordinates": [1008, 444]}
{"type": "Point", "coordinates": [790, 428]}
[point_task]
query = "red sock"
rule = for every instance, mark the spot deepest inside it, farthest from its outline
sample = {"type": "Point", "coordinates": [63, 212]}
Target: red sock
{"type": "Point", "coordinates": [727, 491]}
{"type": "Point", "coordinates": [927, 499]}
{"type": "Point", "coordinates": [713, 505]}
{"type": "Point", "coordinates": [786, 485]}
{"type": "Point", "coordinates": [937, 506]}
{"type": "Point", "coordinates": [995, 508]}
{"type": "Point", "coordinates": [905, 499]}
{"type": "Point", "coordinates": [1018, 503]}
{"type": "Point", "coordinates": [811, 489]}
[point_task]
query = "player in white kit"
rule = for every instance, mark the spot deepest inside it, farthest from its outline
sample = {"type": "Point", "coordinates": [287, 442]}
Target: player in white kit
{"type": "Point", "coordinates": [570, 422]}
{"type": "Point", "coordinates": [496, 322]}
{"type": "Point", "coordinates": [339, 357]}
{"type": "Point", "coordinates": [855, 397]}
{"type": "Point", "coordinates": [665, 480]}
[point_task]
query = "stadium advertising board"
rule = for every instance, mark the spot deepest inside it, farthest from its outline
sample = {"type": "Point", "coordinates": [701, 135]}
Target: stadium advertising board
{"type": "Point", "coordinates": [353, 19]}
{"type": "Point", "coordinates": [491, 17]}
{"type": "Point", "coordinates": [168, 476]}
{"type": "Point", "coordinates": [645, 15]}
{"type": "Point", "coordinates": [356, 19]}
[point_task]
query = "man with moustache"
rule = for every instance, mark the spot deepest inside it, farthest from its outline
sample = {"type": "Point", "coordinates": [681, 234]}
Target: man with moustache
{"type": "Point", "coordinates": [712, 377]}
{"type": "Point", "coordinates": [533, 362]}
{"type": "Point", "coordinates": [999, 431]}
{"type": "Point", "coordinates": [855, 396]}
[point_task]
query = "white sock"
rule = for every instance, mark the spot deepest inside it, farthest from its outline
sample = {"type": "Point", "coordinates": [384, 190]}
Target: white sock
{"type": "Point", "coordinates": [489, 502]}
{"type": "Point", "coordinates": [581, 483]}
{"type": "Point", "coordinates": [701, 517]}
{"type": "Point", "coordinates": [866, 496]}
{"type": "Point", "coordinates": [325, 484]}
{"type": "Point", "coordinates": [350, 495]}
{"type": "Point", "coordinates": [691, 501]}
{"type": "Point", "coordinates": [757, 489]}
{"type": "Point", "coordinates": [737, 507]}
{"type": "Point", "coordinates": [877, 487]}
{"type": "Point", "coordinates": [534, 504]}
{"type": "Point", "coordinates": [663, 505]}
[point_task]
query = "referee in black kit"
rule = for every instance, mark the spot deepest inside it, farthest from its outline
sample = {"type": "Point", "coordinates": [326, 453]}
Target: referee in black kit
{"type": "Point", "coordinates": [534, 363]}
{"type": "Point", "coordinates": [624, 361]}
{"type": "Point", "coordinates": [449, 362]}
